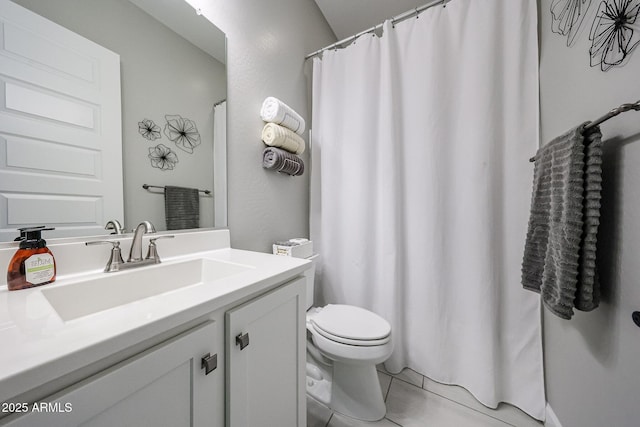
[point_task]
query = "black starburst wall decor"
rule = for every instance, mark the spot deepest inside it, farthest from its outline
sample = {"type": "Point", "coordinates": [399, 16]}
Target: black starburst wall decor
{"type": "Point", "coordinates": [567, 17]}
{"type": "Point", "coordinates": [163, 157]}
{"type": "Point", "coordinates": [149, 130]}
{"type": "Point", "coordinates": [614, 33]}
{"type": "Point", "coordinates": [182, 132]}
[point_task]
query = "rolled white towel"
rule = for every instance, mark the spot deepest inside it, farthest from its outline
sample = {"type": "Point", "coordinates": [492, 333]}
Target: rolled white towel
{"type": "Point", "coordinates": [275, 111]}
{"type": "Point", "coordinates": [278, 136]}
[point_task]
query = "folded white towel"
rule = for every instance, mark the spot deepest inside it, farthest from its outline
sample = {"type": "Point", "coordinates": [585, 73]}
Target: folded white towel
{"type": "Point", "coordinates": [275, 111]}
{"type": "Point", "coordinates": [278, 136]}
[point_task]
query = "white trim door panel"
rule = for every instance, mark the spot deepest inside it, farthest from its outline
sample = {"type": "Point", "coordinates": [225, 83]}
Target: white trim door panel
{"type": "Point", "coordinates": [60, 128]}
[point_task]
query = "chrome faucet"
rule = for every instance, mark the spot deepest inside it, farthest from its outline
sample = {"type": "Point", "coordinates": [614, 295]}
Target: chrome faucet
{"type": "Point", "coordinates": [116, 263]}
{"type": "Point", "coordinates": [135, 254]}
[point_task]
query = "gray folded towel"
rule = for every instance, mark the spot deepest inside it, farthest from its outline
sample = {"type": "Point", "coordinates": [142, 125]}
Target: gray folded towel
{"type": "Point", "coordinates": [181, 207]}
{"type": "Point", "coordinates": [282, 161]}
{"type": "Point", "coordinates": [560, 249]}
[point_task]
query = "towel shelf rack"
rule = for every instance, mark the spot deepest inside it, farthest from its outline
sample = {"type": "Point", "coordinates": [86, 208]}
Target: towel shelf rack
{"type": "Point", "coordinates": [147, 186]}
{"type": "Point", "coordinates": [621, 109]}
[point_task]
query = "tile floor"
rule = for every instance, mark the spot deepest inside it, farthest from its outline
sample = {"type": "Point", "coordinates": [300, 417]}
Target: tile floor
{"type": "Point", "coordinates": [416, 401]}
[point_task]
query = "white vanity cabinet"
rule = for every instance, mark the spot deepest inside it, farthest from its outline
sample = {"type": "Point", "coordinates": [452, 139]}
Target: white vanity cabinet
{"type": "Point", "coordinates": [258, 342]}
{"type": "Point", "coordinates": [266, 358]}
{"type": "Point", "coordinates": [165, 385]}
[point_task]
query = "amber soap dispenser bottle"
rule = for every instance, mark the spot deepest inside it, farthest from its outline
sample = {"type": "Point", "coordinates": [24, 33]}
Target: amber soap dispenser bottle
{"type": "Point", "coordinates": [33, 264]}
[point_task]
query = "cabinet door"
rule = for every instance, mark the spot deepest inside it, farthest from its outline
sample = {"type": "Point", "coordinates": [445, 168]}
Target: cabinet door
{"type": "Point", "coordinates": [163, 386]}
{"type": "Point", "coordinates": [266, 378]}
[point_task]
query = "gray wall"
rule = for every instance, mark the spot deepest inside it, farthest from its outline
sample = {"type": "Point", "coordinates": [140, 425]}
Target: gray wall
{"type": "Point", "coordinates": [267, 42]}
{"type": "Point", "coordinates": [592, 362]}
{"type": "Point", "coordinates": [161, 73]}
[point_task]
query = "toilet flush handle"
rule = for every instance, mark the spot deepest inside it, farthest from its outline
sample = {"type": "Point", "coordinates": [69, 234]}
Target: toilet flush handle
{"type": "Point", "coordinates": [242, 340]}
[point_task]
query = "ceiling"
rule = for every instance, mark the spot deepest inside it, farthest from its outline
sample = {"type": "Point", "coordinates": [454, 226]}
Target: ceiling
{"type": "Point", "coordinates": [349, 17]}
{"type": "Point", "coordinates": [183, 19]}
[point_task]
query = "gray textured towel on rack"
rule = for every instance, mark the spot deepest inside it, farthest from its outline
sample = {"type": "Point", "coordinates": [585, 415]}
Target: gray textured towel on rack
{"type": "Point", "coordinates": [560, 249]}
{"type": "Point", "coordinates": [282, 161]}
{"type": "Point", "coordinates": [181, 207]}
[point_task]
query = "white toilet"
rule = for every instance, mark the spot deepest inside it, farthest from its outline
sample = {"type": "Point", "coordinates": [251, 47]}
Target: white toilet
{"type": "Point", "coordinates": [344, 345]}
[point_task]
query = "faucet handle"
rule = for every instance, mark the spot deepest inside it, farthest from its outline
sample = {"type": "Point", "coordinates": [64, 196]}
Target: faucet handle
{"type": "Point", "coordinates": [153, 250]}
{"type": "Point", "coordinates": [115, 260]}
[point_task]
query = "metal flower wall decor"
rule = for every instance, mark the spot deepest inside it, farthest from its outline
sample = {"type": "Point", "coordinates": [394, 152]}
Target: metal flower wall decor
{"type": "Point", "coordinates": [163, 157]}
{"type": "Point", "coordinates": [149, 130]}
{"type": "Point", "coordinates": [567, 17]}
{"type": "Point", "coordinates": [183, 132]}
{"type": "Point", "coordinates": [614, 33]}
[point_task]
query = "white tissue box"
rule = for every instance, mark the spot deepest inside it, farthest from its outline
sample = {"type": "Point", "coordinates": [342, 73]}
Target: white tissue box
{"type": "Point", "coordinates": [292, 249]}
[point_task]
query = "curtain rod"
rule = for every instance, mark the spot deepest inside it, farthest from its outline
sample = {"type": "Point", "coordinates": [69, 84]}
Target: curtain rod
{"type": "Point", "coordinates": [409, 14]}
{"type": "Point", "coordinates": [147, 186]}
{"type": "Point", "coordinates": [612, 113]}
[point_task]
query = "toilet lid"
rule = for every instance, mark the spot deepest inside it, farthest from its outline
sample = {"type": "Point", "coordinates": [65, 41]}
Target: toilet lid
{"type": "Point", "coordinates": [351, 323]}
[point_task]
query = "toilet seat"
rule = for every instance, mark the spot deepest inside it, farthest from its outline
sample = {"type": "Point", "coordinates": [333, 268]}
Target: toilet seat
{"type": "Point", "coordinates": [350, 325]}
{"type": "Point", "coordinates": [347, 341]}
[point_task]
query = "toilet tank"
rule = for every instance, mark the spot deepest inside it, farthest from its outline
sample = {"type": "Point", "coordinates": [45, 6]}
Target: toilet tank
{"type": "Point", "coordinates": [309, 276]}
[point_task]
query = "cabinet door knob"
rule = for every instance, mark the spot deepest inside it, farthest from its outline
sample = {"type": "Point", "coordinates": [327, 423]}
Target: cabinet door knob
{"type": "Point", "coordinates": [209, 363]}
{"type": "Point", "coordinates": [242, 340]}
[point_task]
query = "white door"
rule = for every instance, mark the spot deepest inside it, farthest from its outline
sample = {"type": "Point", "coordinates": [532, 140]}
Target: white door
{"type": "Point", "coordinates": [60, 128]}
{"type": "Point", "coordinates": [266, 360]}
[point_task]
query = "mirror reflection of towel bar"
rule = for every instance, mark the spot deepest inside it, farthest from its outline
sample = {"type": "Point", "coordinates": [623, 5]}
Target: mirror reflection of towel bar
{"type": "Point", "coordinates": [147, 186]}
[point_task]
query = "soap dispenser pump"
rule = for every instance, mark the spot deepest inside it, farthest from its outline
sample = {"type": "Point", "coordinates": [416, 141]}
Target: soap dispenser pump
{"type": "Point", "coordinates": [33, 264]}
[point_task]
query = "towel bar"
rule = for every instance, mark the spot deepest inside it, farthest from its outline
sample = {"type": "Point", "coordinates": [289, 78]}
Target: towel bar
{"type": "Point", "coordinates": [621, 109]}
{"type": "Point", "coordinates": [147, 186]}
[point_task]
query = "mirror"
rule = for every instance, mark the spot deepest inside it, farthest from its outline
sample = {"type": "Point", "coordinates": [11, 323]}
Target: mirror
{"type": "Point", "coordinates": [172, 74]}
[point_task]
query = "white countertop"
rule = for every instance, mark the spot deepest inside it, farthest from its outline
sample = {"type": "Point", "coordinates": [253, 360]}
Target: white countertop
{"type": "Point", "coordinates": [38, 346]}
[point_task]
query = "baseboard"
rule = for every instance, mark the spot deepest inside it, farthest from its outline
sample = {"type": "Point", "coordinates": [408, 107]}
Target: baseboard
{"type": "Point", "coordinates": [551, 418]}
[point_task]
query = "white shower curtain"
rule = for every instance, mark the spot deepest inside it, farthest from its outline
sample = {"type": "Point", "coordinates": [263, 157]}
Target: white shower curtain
{"type": "Point", "coordinates": [220, 164]}
{"type": "Point", "coordinates": [421, 189]}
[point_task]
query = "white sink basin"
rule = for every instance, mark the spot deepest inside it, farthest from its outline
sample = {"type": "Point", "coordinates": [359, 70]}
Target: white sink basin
{"type": "Point", "coordinates": [114, 289]}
